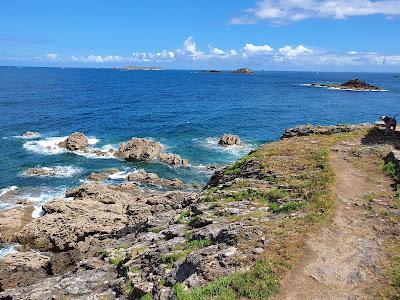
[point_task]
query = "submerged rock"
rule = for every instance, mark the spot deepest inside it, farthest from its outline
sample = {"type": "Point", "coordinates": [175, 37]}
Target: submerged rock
{"type": "Point", "coordinates": [103, 175]}
{"type": "Point", "coordinates": [31, 134]}
{"type": "Point", "coordinates": [228, 139]}
{"type": "Point", "coordinates": [75, 141]}
{"type": "Point", "coordinates": [38, 171]}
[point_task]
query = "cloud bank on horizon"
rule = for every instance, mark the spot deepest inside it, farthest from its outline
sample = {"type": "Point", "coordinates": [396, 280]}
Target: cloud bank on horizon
{"type": "Point", "coordinates": [287, 55]}
{"type": "Point", "coordinates": [281, 12]}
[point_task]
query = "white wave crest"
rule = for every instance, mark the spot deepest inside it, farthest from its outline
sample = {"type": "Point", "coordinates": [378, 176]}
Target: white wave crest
{"type": "Point", "coordinates": [8, 189]}
{"type": "Point", "coordinates": [47, 146]}
{"type": "Point", "coordinates": [58, 171]}
{"type": "Point", "coordinates": [43, 197]}
{"type": "Point", "coordinates": [236, 150]}
{"type": "Point", "coordinates": [7, 249]}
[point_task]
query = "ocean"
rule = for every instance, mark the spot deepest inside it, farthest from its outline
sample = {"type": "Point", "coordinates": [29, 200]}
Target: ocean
{"type": "Point", "coordinates": [186, 111]}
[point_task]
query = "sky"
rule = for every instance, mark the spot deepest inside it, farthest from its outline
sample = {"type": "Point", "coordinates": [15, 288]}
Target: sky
{"type": "Point", "coordinates": [305, 35]}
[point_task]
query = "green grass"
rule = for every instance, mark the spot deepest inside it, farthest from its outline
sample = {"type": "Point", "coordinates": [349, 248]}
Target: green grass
{"type": "Point", "coordinates": [155, 229]}
{"type": "Point", "coordinates": [184, 214]}
{"type": "Point", "coordinates": [258, 283]}
{"type": "Point", "coordinates": [287, 207]}
{"type": "Point", "coordinates": [390, 168]}
{"type": "Point", "coordinates": [237, 166]}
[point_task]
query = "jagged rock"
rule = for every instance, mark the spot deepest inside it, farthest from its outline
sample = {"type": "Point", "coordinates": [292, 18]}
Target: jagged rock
{"type": "Point", "coordinates": [23, 268]}
{"type": "Point", "coordinates": [173, 159]}
{"type": "Point", "coordinates": [100, 283]}
{"type": "Point", "coordinates": [152, 179]}
{"type": "Point", "coordinates": [243, 71]}
{"type": "Point", "coordinates": [251, 168]}
{"type": "Point", "coordinates": [31, 134]}
{"type": "Point", "coordinates": [228, 139]}
{"type": "Point", "coordinates": [305, 130]}
{"type": "Point", "coordinates": [103, 175]}
{"type": "Point", "coordinates": [12, 221]}
{"type": "Point", "coordinates": [144, 149]}
{"type": "Point", "coordinates": [75, 141]}
{"type": "Point", "coordinates": [139, 149]}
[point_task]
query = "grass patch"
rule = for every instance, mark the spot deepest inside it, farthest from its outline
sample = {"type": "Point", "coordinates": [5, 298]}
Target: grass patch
{"type": "Point", "coordinates": [183, 215]}
{"type": "Point", "coordinates": [237, 166]}
{"type": "Point", "coordinates": [258, 283]}
{"type": "Point", "coordinates": [390, 168]}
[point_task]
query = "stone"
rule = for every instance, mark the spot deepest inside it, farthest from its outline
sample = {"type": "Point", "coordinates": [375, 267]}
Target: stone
{"type": "Point", "coordinates": [228, 139]}
{"type": "Point", "coordinates": [152, 179]}
{"type": "Point", "coordinates": [12, 221]}
{"type": "Point", "coordinates": [75, 141]}
{"type": "Point", "coordinates": [23, 268]}
{"type": "Point", "coordinates": [139, 149]}
{"type": "Point", "coordinates": [38, 171]}
{"type": "Point", "coordinates": [173, 159]}
{"type": "Point", "coordinates": [103, 175]}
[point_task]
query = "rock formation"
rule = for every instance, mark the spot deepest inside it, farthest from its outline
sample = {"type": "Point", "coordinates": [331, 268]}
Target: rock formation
{"type": "Point", "coordinates": [75, 141]}
{"type": "Point", "coordinates": [138, 149]}
{"type": "Point", "coordinates": [354, 84]}
{"type": "Point", "coordinates": [153, 179]}
{"type": "Point", "coordinates": [38, 171]}
{"type": "Point", "coordinates": [103, 175]}
{"type": "Point", "coordinates": [229, 140]}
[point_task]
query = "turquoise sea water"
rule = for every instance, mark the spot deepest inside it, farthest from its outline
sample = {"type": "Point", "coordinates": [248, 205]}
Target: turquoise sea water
{"type": "Point", "coordinates": [186, 111]}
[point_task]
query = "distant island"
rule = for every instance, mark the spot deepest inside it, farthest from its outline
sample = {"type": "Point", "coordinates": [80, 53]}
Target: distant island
{"type": "Point", "coordinates": [138, 68]}
{"type": "Point", "coordinates": [238, 71]}
{"type": "Point", "coordinates": [354, 85]}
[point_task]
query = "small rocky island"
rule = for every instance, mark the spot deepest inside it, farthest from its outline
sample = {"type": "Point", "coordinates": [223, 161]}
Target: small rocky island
{"type": "Point", "coordinates": [354, 84]}
{"type": "Point", "coordinates": [138, 68]}
{"type": "Point", "coordinates": [243, 71]}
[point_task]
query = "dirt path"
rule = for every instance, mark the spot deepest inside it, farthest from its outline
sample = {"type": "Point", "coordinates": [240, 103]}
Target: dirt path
{"type": "Point", "coordinates": [341, 260]}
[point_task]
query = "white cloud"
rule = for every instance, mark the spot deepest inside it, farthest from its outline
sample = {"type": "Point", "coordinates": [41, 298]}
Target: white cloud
{"type": "Point", "coordinates": [284, 11]}
{"type": "Point", "coordinates": [96, 58]}
{"type": "Point", "coordinates": [299, 50]}
{"type": "Point", "coordinates": [250, 49]}
{"type": "Point", "coordinates": [53, 57]}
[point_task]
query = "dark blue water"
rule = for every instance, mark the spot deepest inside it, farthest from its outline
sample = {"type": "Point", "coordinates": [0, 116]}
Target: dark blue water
{"type": "Point", "coordinates": [185, 110]}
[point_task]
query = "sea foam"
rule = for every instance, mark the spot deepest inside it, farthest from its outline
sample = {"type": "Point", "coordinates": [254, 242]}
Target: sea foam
{"type": "Point", "coordinates": [59, 171]}
{"type": "Point", "coordinates": [7, 249]}
{"type": "Point", "coordinates": [236, 150]}
{"type": "Point", "coordinates": [5, 190]}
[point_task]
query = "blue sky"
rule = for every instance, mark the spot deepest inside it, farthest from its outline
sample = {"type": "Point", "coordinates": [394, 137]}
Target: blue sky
{"type": "Point", "coordinates": [267, 34]}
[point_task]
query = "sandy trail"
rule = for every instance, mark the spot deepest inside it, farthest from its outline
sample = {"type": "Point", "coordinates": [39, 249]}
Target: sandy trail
{"type": "Point", "coordinates": [342, 259]}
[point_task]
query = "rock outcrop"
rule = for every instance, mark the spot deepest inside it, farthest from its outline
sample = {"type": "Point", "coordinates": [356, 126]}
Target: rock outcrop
{"type": "Point", "coordinates": [23, 268]}
{"type": "Point", "coordinates": [75, 141]}
{"type": "Point", "coordinates": [228, 139]}
{"type": "Point", "coordinates": [138, 149]}
{"type": "Point", "coordinates": [12, 221]}
{"type": "Point", "coordinates": [305, 130]}
{"type": "Point", "coordinates": [153, 179]}
{"type": "Point", "coordinates": [38, 171]}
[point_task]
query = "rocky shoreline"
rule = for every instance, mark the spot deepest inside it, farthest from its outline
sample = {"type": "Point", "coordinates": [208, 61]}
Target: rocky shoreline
{"type": "Point", "coordinates": [121, 242]}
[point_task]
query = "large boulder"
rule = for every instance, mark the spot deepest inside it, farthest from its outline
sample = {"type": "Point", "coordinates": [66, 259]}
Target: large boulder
{"type": "Point", "coordinates": [75, 141]}
{"type": "Point", "coordinates": [228, 139]}
{"type": "Point", "coordinates": [23, 268]}
{"type": "Point", "coordinates": [139, 149]}
{"type": "Point", "coordinates": [12, 221]}
{"type": "Point", "coordinates": [103, 175]}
